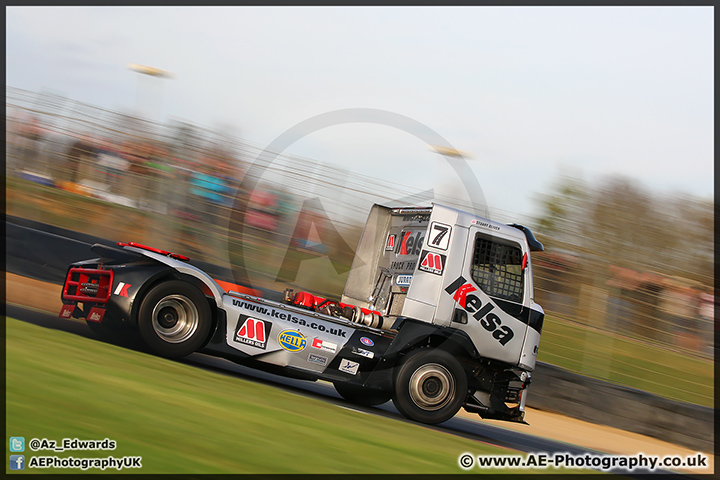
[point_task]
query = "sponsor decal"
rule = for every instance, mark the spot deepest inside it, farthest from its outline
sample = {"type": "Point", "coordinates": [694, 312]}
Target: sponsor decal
{"type": "Point", "coordinates": [461, 291]}
{"type": "Point", "coordinates": [367, 341]}
{"type": "Point", "coordinates": [95, 315]}
{"type": "Point", "coordinates": [292, 340]}
{"type": "Point", "coordinates": [432, 262]}
{"type": "Point", "coordinates": [66, 311]}
{"type": "Point", "coordinates": [282, 315]}
{"type": "Point", "coordinates": [403, 280]}
{"type": "Point", "coordinates": [253, 332]}
{"type": "Point", "coordinates": [439, 235]}
{"type": "Point", "coordinates": [319, 359]}
{"type": "Point", "coordinates": [362, 352]}
{"type": "Point", "coordinates": [122, 289]}
{"type": "Point", "coordinates": [324, 345]}
{"type": "Point", "coordinates": [410, 244]}
{"type": "Point", "coordinates": [390, 244]}
{"type": "Point", "coordinates": [348, 366]}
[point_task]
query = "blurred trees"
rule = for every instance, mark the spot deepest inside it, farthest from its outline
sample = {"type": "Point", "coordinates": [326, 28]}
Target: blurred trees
{"type": "Point", "coordinates": [619, 222]}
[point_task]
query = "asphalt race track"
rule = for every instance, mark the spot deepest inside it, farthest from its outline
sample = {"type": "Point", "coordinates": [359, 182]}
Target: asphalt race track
{"type": "Point", "coordinates": [475, 430]}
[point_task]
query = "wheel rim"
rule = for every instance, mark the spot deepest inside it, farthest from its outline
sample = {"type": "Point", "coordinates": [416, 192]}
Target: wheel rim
{"type": "Point", "coordinates": [175, 318]}
{"type": "Point", "coordinates": [432, 386]}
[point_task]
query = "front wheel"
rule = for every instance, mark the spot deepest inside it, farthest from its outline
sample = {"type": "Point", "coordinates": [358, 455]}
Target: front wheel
{"type": "Point", "coordinates": [360, 395]}
{"type": "Point", "coordinates": [430, 386]}
{"type": "Point", "coordinates": [174, 319]}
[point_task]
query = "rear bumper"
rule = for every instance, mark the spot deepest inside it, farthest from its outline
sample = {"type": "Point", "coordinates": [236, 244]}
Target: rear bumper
{"type": "Point", "coordinates": [87, 285]}
{"type": "Point", "coordinates": [86, 292]}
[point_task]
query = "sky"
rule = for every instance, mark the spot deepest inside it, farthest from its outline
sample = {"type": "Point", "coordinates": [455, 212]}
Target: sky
{"type": "Point", "coordinates": [526, 93]}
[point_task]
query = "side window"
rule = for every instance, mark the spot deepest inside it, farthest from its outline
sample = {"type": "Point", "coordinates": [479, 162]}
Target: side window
{"type": "Point", "coordinates": [497, 268]}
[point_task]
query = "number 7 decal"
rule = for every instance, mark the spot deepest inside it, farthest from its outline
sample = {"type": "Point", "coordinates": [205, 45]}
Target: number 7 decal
{"type": "Point", "coordinates": [439, 235]}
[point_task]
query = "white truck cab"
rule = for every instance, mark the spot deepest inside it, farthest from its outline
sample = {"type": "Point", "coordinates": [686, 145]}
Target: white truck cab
{"type": "Point", "coordinates": [462, 274]}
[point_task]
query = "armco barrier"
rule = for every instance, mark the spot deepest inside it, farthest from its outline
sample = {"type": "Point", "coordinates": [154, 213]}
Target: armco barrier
{"type": "Point", "coordinates": [596, 401]}
{"type": "Point", "coordinates": [43, 252]}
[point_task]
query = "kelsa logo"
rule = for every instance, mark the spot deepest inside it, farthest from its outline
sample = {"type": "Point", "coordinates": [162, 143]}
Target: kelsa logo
{"type": "Point", "coordinates": [122, 289]}
{"type": "Point", "coordinates": [410, 244]}
{"type": "Point", "coordinates": [292, 340]}
{"type": "Point", "coordinates": [253, 332]}
{"type": "Point", "coordinates": [390, 244]}
{"type": "Point", "coordinates": [460, 290]}
{"type": "Point", "coordinates": [432, 262]}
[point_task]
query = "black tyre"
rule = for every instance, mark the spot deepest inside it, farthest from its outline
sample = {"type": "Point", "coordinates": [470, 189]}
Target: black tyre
{"type": "Point", "coordinates": [361, 395]}
{"type": "Point", "coordinates": [430, 386]}
{"type": "Point", "coordinates": [174, 319]}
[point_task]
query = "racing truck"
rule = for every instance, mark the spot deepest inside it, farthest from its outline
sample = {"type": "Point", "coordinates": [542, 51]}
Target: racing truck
{"type": "Point", "coordinates": [437, 314]}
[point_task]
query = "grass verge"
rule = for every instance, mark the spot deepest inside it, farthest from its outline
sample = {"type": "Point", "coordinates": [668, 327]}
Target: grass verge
{"type": "Point", "coordinates": [182, 419]}
{"type": "Point", "coordinates": [625, 361]}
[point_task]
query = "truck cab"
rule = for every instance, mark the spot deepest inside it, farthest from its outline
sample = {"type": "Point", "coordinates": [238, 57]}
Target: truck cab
{"type": "Point", "coordinates": [449, 272]}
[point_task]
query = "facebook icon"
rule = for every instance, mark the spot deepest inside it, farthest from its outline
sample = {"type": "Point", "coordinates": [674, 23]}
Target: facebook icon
{"type": "Point", "coordinates": [17, 462]}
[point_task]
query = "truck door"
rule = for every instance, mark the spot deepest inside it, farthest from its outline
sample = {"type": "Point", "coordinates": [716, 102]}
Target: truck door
{"type": "Point", "coordinates": [489, 294]}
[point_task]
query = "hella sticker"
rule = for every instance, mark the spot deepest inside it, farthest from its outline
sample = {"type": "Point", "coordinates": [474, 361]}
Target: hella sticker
{"type": "Point", "coordinates": [367, 341]}
{"type": "Point", "coordinates": [292, 340]}
{"type": "Point", "coordinates": [432, 262]}
{"type": "Point", "coordinates": [252, 332]}
{"type": "Point", "coordinates": [348, 367]}
{"type": "Point", "coordinates": [324, 345]}
{"type": "Point", "coordinates": [403, 280]}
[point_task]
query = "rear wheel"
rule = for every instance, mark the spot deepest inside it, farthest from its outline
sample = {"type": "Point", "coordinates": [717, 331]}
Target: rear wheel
{"type": "Point", "coordinates": [174, 319]}
{"type": "Point", "coordinates": [430, 386]}
{"type": "Point", "coordinates": [361, 395]}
